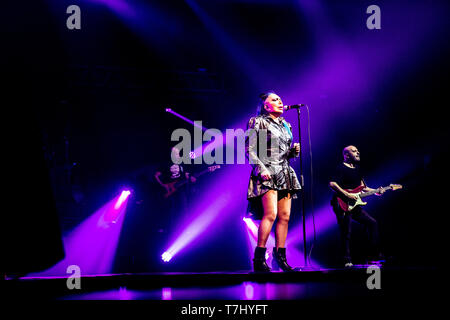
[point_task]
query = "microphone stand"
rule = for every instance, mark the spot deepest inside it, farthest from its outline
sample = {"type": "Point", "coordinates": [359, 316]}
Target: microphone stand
{"type": "Point", "coordinates": [302, 192]}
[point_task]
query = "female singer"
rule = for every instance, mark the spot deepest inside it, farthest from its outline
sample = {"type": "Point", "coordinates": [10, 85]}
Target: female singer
{"type": "Point", "coordinates": [273, 183]}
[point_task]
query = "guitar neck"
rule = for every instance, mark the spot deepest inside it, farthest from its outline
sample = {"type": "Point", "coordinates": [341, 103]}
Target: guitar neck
{"type": "Point", "coordinates": [201, 173]}
{"type": "Point", "coordinates": [179, 184]}
{"type": "Point", "coordinates": [372, 192]}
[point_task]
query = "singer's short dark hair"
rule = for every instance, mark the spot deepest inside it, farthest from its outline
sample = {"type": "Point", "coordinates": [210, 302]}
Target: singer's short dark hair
{"type": "Point", "coordinates": [260, 110]}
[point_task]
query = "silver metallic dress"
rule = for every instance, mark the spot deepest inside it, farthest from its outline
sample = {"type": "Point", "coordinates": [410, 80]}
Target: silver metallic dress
{"type": "Point", "coordinates": [268, 147]}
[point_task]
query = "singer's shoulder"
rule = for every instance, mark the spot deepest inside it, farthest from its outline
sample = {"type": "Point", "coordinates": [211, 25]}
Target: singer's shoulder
{"type": "Point", "coordinates": [256, 122]}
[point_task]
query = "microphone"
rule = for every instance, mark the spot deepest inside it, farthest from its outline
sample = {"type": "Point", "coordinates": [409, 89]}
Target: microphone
{"type": "Point", "coordinates": [294, 106]}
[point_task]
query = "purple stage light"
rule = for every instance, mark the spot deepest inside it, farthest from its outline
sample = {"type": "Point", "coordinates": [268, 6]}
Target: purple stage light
{"type": "Point", "coordinates": [123, 196]}
{"type": "Point", "coordinates": [193, 230]}
{"type": "Point", "coordinates": [232, 47]}
{"type": "Point", "coordinates": [336, 82]}
{"type": "Point", "coordinates": [120, 7]}
{"type": "Point", "coordinates": [166, 256]}
{"type": "Point", "coordinates": [252, 229]}
{"type": "Point", "coordinates": [223, 200]}
{"type": "Point", "coordinates": [186, 119]}
{"type": "Point", "coordinates": [251, 225]}
{"type": "Point", "coordinates": [124, 294]}
{"type": "Point", "coordinates": [92, 244]}
{"type": "Point", "coordinates": [148, 20]}
{"type": "Point", "coordinates": [166, 294]}
{"type": "Point", "coordinates": [252, 233]}
{"type": "Point", "coordinates": [324, 220]}
{"type": "Point", "coordinates": [113, 214]}
{"type": "Point", "coordinates": [249, 290]}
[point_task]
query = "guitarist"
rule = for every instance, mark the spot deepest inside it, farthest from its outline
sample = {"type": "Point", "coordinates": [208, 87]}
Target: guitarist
{"type": "Point", "coordinates": [173, 174]}
{"type": "Point", "coordinates": [348, 177]}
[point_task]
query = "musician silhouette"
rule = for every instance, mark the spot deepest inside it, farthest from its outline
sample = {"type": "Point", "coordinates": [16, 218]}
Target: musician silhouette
{"type": "Point", "coordinates": [175, 184]}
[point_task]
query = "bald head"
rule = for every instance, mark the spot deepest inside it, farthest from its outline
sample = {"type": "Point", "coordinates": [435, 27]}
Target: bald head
{"type": "Point", "coordinates": [351, 154]}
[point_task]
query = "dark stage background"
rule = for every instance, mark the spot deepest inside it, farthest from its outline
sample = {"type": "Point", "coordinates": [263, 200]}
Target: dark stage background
{"type": "Point", "coordinates": [87, 115]}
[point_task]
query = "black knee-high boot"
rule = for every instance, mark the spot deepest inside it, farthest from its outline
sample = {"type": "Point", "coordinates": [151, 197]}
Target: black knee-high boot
{"type": "Point", "coordinates": [280, 261]}
{"type": "Point", "coordinates": [259, 262]}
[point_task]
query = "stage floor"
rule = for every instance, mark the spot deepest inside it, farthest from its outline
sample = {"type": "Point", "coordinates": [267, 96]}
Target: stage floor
{"type": "Point", "coordinates": [318, 284]}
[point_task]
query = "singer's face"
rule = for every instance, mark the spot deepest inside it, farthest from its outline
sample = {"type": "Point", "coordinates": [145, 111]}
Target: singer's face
{"type": "Point", "coordinates": [273, 104]}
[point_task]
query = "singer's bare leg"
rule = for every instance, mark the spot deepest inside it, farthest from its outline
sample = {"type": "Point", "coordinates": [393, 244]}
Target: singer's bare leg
{"type": "Point", "coordinates": [269, 202]}
{"type": "Point", "coordinates": [281, 229]}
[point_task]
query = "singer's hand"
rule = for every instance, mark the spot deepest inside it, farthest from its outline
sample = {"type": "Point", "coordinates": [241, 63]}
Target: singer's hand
{"type": "Point", "coordinates": [265, 175]}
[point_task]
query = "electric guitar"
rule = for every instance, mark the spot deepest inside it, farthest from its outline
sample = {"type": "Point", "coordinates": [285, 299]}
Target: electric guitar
{"type": "Point", "coordinates": [172, 187]}
{"type": "Point", "coordinates": [348, 205]}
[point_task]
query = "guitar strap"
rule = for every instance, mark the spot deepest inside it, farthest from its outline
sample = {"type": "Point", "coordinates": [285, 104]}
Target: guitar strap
{"type": "Point", "coordinates": [364, 181]}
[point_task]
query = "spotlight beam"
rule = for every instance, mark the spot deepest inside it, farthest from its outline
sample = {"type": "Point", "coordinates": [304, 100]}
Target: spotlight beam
{"type": "Point", "coordinates": [169, 110]}
{"type": "Point", "coordinates": [232, 47]}
{"type": "Point", "coordinates": [92, 244]}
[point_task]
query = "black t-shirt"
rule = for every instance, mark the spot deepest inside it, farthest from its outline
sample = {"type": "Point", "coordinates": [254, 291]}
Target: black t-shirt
{"type": "Point", "coordinates": [347, 178]}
